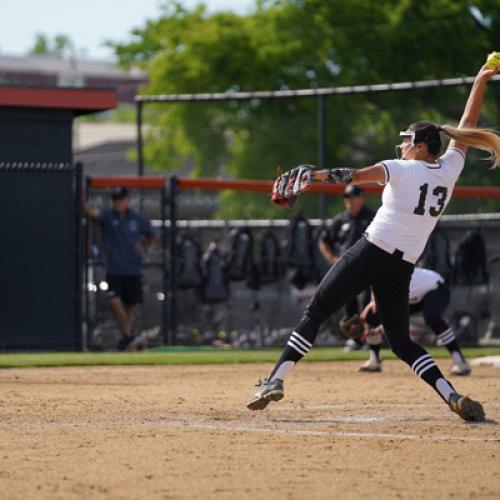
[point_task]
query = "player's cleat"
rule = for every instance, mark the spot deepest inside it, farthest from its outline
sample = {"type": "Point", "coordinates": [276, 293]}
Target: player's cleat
{"type": "Point", "coordinates": [467, 408]}
{"type": "Point", "coordinates": [124, 343]}
{"type": "Point", "coordinates": [460, 369]}
{"type": "Point", "coordinates": [269, 391]}
{"type": "Point", "coordinates": [132, 343]}
{"type": "Point", "coordinates": [138, 343]}
{"type": "Point", "coordinates": [371, 366]}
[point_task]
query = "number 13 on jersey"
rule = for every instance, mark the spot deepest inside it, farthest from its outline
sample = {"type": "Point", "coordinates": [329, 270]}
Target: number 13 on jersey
{"type": "Point", "coordinates": [439, 192]}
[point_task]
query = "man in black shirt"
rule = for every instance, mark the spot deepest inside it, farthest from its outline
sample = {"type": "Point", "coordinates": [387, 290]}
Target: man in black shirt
{"type": "Point", "coordinates": [346, 228]}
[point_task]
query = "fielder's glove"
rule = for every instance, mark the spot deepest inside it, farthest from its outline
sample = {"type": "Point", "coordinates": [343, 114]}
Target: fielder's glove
{"type": "Point", "coordinates": [290, 184]}
{"type": "Point", "coordinates": [352, 328]}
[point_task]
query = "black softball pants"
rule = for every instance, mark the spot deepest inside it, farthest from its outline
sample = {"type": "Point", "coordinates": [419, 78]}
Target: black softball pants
{"type": "Point", "coordinates": [366, 265]}
{"type": "Point", "coordinates": [433, 306]}
{"type": "Point", "coordinates": [353, 307]}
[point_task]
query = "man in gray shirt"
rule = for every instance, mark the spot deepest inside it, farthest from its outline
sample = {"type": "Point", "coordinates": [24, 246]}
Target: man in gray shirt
{"type": "Point", "coordinates": [127, 234]}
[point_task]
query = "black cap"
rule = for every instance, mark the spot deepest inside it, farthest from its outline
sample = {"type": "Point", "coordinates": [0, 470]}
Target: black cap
{"type": "Point", "coordinates": [352, 190]}
{"type": "Point", "coordinates": [119, 193]}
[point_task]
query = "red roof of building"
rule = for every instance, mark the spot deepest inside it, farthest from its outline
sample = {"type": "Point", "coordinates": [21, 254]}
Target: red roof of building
{"type": "Point", "coordinates": [80, 100]}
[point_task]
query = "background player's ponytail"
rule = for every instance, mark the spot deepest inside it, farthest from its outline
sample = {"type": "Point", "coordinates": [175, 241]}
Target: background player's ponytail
{"type": "Point", "coordinates": [479, 138]}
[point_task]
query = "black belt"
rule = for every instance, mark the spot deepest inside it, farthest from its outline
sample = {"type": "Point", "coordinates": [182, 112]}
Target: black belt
{"type": "Point", "coordinates": [388, 248]}
{"type": "Point", "coordinates": [398, 254]}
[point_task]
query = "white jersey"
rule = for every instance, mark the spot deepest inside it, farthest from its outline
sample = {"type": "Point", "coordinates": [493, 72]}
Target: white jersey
{"type": "Point", "coordinates": [422, 282]}
{"type": "Point", "coordinates": [414, 197]}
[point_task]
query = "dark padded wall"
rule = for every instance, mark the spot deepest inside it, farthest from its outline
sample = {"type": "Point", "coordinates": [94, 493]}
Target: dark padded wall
{"type": "Point", "coordinates": [38, 292]}
{"type": "Point", "coordinates": [39, 258]}
{"type": "Point", "coordinates": [35, 135]}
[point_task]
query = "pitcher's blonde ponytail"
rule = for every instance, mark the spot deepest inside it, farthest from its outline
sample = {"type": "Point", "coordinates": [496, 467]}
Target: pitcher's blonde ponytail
{"type": "Point", "coordinates": [480, 138]}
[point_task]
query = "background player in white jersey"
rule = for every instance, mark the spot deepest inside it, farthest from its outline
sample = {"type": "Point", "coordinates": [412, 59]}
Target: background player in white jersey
{"type": "Point", "coordinates": [418, 187]}
{"type": "Point", "coordinates": [430, 295]}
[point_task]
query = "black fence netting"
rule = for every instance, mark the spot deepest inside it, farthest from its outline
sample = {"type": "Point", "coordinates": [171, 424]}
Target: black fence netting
{"type": "Point", "coordinates": [252, 288]}
{"type": "Point", "coordinates": [235, 281]}
{"type": "Point", "coordinates": [252, 138]}
{"type": "Point", "coordinates": [245, 282]}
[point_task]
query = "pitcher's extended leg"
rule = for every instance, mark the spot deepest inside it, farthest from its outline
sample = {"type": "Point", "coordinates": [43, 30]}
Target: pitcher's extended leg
{"type": "Point", "coordinates": [346, 279]}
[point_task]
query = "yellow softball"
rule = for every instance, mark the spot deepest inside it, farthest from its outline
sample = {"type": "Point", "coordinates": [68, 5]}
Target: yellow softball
{"type": "Point", "coordinates": [493, 60]}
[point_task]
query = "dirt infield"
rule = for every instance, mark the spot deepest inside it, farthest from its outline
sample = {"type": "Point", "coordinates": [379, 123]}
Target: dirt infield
{"type": "Point", "coordinates": [182, 432]}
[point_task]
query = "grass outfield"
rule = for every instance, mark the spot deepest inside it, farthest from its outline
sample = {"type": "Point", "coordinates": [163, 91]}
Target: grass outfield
{"type": "Point", "coordinates": [201, 356]}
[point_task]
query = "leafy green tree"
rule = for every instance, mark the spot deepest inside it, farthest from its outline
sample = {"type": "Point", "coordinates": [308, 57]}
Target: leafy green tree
{"type": "Point", "coordinates": [61, 45]}
{"type": "Point", "coordinates": [293, 44]}
{"type": "Point", "coordinates": [41, 45]}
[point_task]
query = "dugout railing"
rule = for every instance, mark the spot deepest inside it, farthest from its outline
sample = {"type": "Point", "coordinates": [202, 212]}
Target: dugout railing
{"type": "Point", "coordinates": [250, 318]}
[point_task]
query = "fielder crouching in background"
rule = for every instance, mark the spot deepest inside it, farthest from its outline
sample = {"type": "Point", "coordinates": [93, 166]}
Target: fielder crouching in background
{"type": "Point", "coordinates": [430, 295]}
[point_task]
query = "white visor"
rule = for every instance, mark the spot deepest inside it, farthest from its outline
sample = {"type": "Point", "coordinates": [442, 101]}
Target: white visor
{"type": "Point", "coordinates": [408, 133]}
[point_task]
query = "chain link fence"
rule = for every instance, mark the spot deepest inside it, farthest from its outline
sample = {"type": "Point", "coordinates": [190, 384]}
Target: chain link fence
{"type": "Point", "coordinates": [257, 312]}
{"type": "Point", "coordinates": [249, 136]}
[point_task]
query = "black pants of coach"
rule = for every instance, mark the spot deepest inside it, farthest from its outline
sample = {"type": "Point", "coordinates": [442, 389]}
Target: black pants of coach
{"type": "Point", "coordinates": [366, 265]}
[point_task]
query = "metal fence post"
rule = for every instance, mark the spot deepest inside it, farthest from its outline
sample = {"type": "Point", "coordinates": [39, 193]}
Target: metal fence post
{"type": "Point", "coordinates": [140, 152]}
{"type": "Point", "coordinates": [173, 259]}
{"type": "Point", "coordinates": [322, 149]}
{"type": "Point", "coordinates": [140, 155]}
{"type": "Point", "coordinates": [86, 258]}
{"type": "Point", "coordinates": [80, 261]}
{"type": "Point", "coordinates": [164, 270]}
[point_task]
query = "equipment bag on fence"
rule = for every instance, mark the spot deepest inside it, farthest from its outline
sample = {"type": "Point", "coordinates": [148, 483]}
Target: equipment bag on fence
{"type": "Point", "coordinates": [253, 277]}
{"type": "Point", "coordinates": [436, 255]}
{"type": "Point", "coordinates": [240, 265]}
{"type": "Point", "coordinates": [470, 260]}
{"type": "Point", "coordinates": [189, 260]}
{"type": "Point", "coordinates": [300, 243]}
{"type": "Point", "coordinates": [214, 288]}
{"type": "Point", "coordinates": [299, 277]}
{"type": "Point", "coordinates": [270, 258]}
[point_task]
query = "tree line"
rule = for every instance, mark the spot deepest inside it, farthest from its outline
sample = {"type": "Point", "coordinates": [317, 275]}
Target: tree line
{"type": "Point", "coordinates": [295, 44]}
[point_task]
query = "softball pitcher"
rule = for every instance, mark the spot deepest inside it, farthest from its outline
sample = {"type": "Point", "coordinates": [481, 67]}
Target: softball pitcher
{"type": "Point", "coordinates": [417, 190]}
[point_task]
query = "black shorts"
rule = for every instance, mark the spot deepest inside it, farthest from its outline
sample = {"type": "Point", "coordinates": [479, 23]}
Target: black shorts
{"type": "Point", "coordinates": [128, 288]}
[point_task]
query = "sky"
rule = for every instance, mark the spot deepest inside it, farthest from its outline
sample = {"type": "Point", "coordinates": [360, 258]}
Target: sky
{"type": "Point", "coordinates": [87, 22]}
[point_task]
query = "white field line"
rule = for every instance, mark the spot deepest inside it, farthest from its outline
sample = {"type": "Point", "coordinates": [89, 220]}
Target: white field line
{"type": "Point", "coordinates": [354, 406]}
{"type": "Point", "coordinates": [188, 424]}
{"type": "Point", "coordinates": [202, 422]}
{"type": "Point", "coordinates": [340, 434]}
{"type": "Point", "coordinates": [366, 419]}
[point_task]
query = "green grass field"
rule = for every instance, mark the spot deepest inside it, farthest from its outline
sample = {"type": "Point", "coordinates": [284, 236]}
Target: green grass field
{"type": "Point", "coordinates": [200, 356]}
